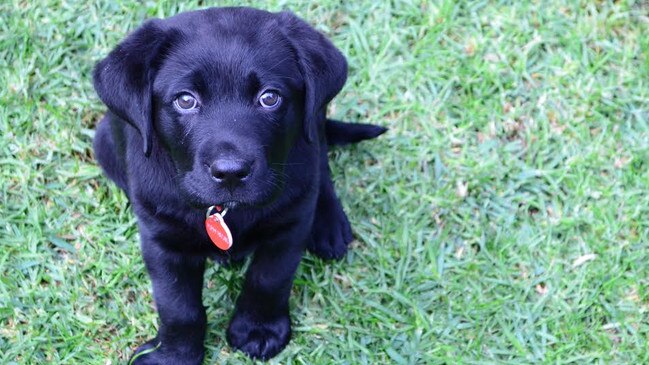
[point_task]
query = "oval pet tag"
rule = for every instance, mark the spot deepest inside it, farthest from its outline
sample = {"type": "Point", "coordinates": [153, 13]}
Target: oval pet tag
{"type": "Point", "coordinates": [217, 230]}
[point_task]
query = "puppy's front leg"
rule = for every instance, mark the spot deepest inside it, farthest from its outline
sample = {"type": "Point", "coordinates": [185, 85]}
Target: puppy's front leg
{"type": "Point", "coordinates": [331, 232]}
{"type": "Point", "coordinates": [177, 289]}
{"type": "Point", "coordinates": [261, 326]}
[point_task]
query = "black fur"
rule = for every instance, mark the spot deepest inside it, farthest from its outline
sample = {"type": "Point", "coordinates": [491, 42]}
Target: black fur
{"type": "Point", "coordinates": [267, 165]}
{"type": "Point", "coordinates": [339, 133]}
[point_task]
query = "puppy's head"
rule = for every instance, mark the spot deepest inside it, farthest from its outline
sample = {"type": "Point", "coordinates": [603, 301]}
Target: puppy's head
{"type": "Point", "coordinates": [227, 92]}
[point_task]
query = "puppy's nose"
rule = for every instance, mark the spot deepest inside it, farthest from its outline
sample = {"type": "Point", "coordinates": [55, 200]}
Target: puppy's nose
{"type": "Point", "coordinates": [229, 171]}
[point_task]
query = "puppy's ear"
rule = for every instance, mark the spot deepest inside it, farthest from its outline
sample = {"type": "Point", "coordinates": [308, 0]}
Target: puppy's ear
{"type": "Point", "coordinates": [323, 68]}
{"type": "Point", "coordinates": [123, 80]}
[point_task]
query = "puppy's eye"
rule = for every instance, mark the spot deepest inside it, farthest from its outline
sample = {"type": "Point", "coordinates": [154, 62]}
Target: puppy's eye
{"type": "Point", "coordinates": [185, 102]}
{"type": "Point", "coordinates": [270, 99]}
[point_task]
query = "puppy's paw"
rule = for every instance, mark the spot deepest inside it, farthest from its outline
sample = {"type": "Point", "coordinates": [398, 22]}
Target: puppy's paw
{"type": "Point", "coordinates": [331, 232]}
{"type": "Point", "coordinates": [153, 352]}
{"type": "Point", "coordinates": [259, 339]}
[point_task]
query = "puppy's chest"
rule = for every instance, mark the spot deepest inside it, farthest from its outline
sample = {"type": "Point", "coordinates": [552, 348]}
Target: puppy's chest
{"type": "Point", "coordinates": [186, 231]}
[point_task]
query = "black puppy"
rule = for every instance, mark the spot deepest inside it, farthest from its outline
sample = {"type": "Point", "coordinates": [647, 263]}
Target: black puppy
{"type": "Point", "coordinates": [226, 107]}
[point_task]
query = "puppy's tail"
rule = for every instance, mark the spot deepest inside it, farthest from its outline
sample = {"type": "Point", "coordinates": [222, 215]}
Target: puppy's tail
{"type": "Point", "coordinates": [339, 133]}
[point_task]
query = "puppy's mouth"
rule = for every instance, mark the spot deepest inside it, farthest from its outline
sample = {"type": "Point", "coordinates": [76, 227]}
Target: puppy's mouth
{"type": "Point", "coordinates": [219, 205]}
{"type": "Point", "coordinates": [205, 199]}
{"type": "Point", "coordinates": [229, 204]}
{"type": "Point", "coordinates": [200, 192]}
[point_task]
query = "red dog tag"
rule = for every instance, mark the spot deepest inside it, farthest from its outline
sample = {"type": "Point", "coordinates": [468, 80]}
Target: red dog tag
{"type": "Point", "coordinates": [217, 230]}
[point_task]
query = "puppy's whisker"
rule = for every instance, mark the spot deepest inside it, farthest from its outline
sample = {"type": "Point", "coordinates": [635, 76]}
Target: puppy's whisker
{"type": "Point", "coordinates": [279, 62]}
{"type": "Point", "coordinates": [274, 180]}
{"type": "Point", "coordinates": [283, 175]}
{"type": "Point", "coordinates": [287, 77]}
{"type": "Point", "coordinates": [274, 183]}
{"type": "Point", "coordinates": [186, 134]}
{"type": "Point", "coordinates": [287, 164]}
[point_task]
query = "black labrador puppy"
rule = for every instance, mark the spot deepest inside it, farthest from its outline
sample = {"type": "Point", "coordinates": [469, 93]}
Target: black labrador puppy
{"type": "Point", "coordinates": [225, 107]}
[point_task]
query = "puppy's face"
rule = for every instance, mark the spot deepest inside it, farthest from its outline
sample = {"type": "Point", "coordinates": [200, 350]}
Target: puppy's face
{"type": "Point", "coordinates": [229, 108]}
{"type": "Point", "coordinates": [227, 92]}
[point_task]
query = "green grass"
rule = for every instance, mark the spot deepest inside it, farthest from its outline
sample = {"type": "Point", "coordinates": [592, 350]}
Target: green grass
{"type": "Point", "coordinates": [518, 143]}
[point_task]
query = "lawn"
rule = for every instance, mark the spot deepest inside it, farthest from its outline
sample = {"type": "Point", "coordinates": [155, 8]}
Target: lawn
{"type": "Point", "coordinates": [502, 219]}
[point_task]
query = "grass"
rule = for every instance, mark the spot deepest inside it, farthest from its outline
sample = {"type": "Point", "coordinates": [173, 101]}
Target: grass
{"type": "Point", "coordinates": [503, 219]}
